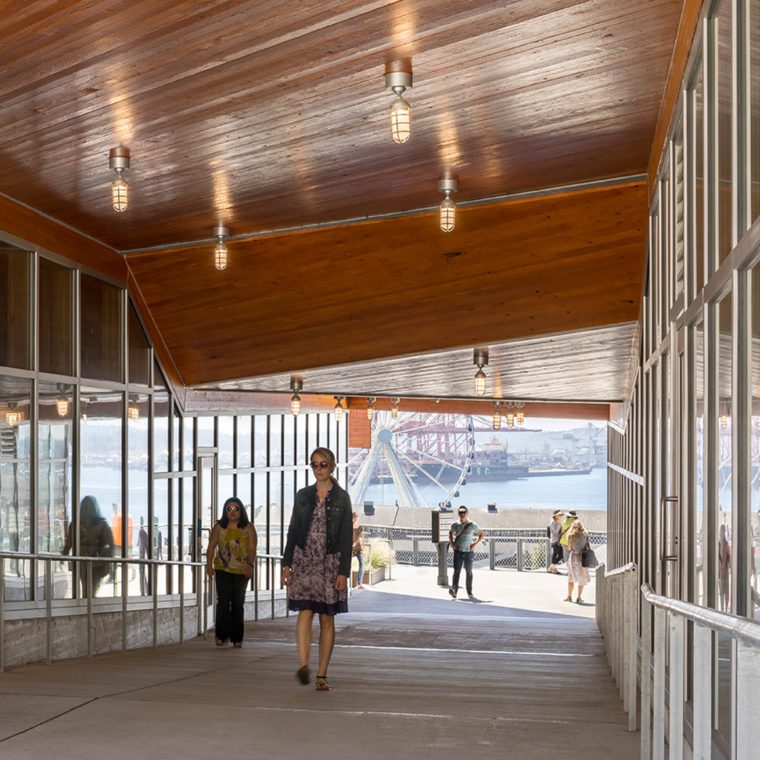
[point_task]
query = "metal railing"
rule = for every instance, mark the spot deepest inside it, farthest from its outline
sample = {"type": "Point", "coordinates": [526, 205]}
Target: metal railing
{"type": "Point", "coordinates": [617, 612]}
{"type": "Point", "coordinates": [204, 593]}
{"type": "Point", "coordinates": [666, 640]}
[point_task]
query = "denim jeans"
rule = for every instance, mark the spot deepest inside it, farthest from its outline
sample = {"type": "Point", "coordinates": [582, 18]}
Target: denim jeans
{"type": "Point", "coordinates": [360, 574]}
{"type": "Point", "coordinates": [462, 558]}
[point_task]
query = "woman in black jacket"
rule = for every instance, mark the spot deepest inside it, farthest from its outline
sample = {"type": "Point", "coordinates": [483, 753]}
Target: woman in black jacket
{"type": "Point", "coordinates": [317, 562]}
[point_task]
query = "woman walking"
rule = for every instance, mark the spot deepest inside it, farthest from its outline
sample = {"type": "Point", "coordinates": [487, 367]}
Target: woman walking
{"type": "Point", "coordinates": [317, 562]}
{"type": "Point", "coordinates": [577, 541]}
{"type": "Point", "coordinates": [230, 557]}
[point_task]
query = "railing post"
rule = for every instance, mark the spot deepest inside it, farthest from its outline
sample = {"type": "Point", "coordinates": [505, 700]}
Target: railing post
{"type": "Point", "coordinates": [702, 721]}
{"type": "Point", "coordinates": [153, 575]}
{"type": "Point", "coordinates": [181, 569]}
{"type": "Point", "coordinates": [48, 610]}
{"type": "Point", "coordinates": [747, 688]}
{"type": "Point", "coordinates": [519, 555]}
{"type": "Point", "coordinates": [2, 615]}
{"type": "Point", "coordinates": [90, 629]}
{"type": "Point", "coordinates": [124, 598]}
{"type": "Point", "coordinates": [675, 711]}
{"type": "Point", "coordinates": [658, 692]}
{"type": "Point", "coordinates": [492, 554]}
{"type": "Point", "coordinates": [256, 588]}
{"type": "Point", "coordinates": [632, 657]}
{"type": "Point", "coordinates": [646, 680]}
{"type": "Point", "coordinates": [271, 563]}
{"type": "Point", "coordinates": [200, 580]}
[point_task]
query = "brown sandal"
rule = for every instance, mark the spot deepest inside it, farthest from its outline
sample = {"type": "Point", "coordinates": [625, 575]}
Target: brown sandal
{"type": "Point", "coordinates": [302, 674]}
{"type": "Point", "coordinates": [322, 684]}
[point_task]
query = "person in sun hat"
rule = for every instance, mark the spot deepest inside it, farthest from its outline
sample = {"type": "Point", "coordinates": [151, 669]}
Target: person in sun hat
{"type": "Point", "coordinates": [570, 518]}
{"type": "Point", "coordinates": [554, 532]}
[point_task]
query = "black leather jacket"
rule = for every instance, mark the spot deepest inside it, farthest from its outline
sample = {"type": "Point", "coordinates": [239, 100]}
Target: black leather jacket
{"type": "Point", "coordinates": [340, 529]}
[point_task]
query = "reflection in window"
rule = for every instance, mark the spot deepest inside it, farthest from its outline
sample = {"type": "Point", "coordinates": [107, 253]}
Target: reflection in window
{"type": "Point", "coordinates": [725, 468]}
{"type": "Point", "coordinates": [138, 418]}
{"type": "Point", "coordinates": [100, 330]}
{"type": "Point", "coordinates": [160, 530]}
{"type": "Point", "coordinates": [15, 462]}
{"type": "Point", "coordinates": [699, 181]}
{"type": "Point", "coordinates": [699, 465]}
{"type": "Point", "coordinates": [161, 411]}
{"type": "Point", "coordinates": [139, 350]}
{"type": "Point", "coordinates": [14, 306]}
{"type": "Point", "coordinates": [101, 469]}
{"type": "Point", "coordinates": [55, 314]}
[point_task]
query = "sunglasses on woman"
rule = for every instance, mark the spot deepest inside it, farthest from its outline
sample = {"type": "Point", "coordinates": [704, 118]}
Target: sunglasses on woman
{"type": "Point", "coordinates": [319, 465]}
{"type": "Point", "coordinates": [232, 508]}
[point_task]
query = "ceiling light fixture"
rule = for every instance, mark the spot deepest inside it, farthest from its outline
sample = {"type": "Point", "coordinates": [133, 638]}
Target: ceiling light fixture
{"type": "Point", "coordinates": [520, 415]}
{"type": "Point", "coordinates": [401, 111]}
{"type": "Point", "coordinates": [338, 408]}
{"type": "Point", "coordinates": [510, 419]}
{"type": "Point", "coordinates": [496, 420]}
{"type": "Point", "coordinates": [394, 408]}
{"type": "Point", "coordinates": [220, 251]}
{"type": "Point", "coordinates": [296, 385]}
{"type": "Point", "coordinates": [12, 417]}
{"type": "Point", "coordinates": [62, 405]}
{"type": "Point", "coordinates": [133, 412]}
{"type": "Point", "coordinates": [448, 186]}
{"type": "Point", "coordinates": [370, 408]}
{"type": "Point", "coordinates": [118, 160]}
{"type": "Point", "coordinates": [480, 357]}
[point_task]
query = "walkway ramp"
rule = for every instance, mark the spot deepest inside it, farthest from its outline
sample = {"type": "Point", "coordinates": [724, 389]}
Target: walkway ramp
{"type": "Point", "coordinates": [516, 674]}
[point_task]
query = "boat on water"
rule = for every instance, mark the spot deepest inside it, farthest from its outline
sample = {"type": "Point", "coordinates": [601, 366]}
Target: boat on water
{"type": "Point", "coordinates": [544, 472]}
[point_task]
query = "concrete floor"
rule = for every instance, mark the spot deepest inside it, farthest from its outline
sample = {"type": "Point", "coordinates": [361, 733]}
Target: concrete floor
{"type": "Point", "coordinates": [519, 673]}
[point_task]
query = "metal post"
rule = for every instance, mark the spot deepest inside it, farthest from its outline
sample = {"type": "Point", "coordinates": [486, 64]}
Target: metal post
{"type": "Point", "coordinates": [90, 630]}
{"type": "Point", "coordinates": [390, 553]}
{"type": "Point", "coordinates": [658, 691]}
{"type": "Point", "coordinates": [519, 555]}
{"type": "Point", "coordinates": [124, 603]}
{"type": "Point", "coordinates": [646, 680]}
{"type": "Point", "coordinates": [153, 575]}
{"type": "Point", "coordinates": [631, 596]}
{"type": "Point", "coordinates": [48, 610]}
{"type": "Point", "coordinates": [675, 712]}
{"type": "Point", "coordinates": [271, 562]}
{"type": "Point", "coordinates": [2, 615]}
{"type": "Point", "coordinates": [747, 688]}
{"type": "Point", "coordinates": [443, 571]}
{"type": "Point", "coordinates": [702, 721]}
{"type": "Point", "coordinates": [256, 589]}
{"type": "Point", "coordinates": [200, 576]}
{"type": "Point", "coordinates": [492, 554]}
{"type": "Point", "coordinates": [415, 552]}
{"type": "Point", "coordinates": [181, 604]}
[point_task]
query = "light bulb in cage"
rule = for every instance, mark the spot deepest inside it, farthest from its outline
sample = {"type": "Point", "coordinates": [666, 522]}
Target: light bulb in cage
{"type": "Point", "coordinates": [220, 249]}
{"type": "Point", "coordinates": [338, 408]}
{"type": "Point", "coordinates": [401, 111]}
{"type": "Point", "coordinates": [370, 409]}
{"type": "Point", "coordinates": [394, 408]}
{"type": "Point", "coordinates": [496, 419]}
{"type": "Point", "coordinates": [448, 209]}
{"type": "Point", "coordinates": [118, 160]}
{"type": "Point", "coordinates": [480, 358]}
{"type": "Point", "coordinates": [296, 385]}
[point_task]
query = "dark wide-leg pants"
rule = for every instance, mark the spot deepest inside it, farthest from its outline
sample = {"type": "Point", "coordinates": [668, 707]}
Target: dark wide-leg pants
{"type": "Point", "coordinates": [230, 595]}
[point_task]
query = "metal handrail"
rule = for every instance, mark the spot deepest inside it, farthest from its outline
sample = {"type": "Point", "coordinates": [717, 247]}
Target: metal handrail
{"type": "Point", "coordinates": [621, 570]}
{"type": "Point", "coordinates": [666, 641]}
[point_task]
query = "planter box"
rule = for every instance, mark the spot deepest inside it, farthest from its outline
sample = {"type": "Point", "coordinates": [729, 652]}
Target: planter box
{"type": "Point", "coordinates": [370, 577]}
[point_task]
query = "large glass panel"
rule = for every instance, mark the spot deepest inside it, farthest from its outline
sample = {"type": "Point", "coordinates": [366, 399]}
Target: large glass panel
{"type": "Point", "coordinates": [56, 419]}
{"type": "Point", "coordinates": [699, 466]}
{"type": "Point", "coordinates": [302, 454]}
{"type": "Point", "coordinates": [14, 306]}
{"type": "Point", "coordinates": [100, 330]}
{"type": "Point", "coordinates": [139, 350]}
{"type": "Point", "coordinates": [138, 480]}
{"type": "Point", "coordinates": [725, 466]}
{"type": "Point", "coordinates": [260, 441]}
{"type": "Point", "coordinates": [205, 431]}
{"type": "Point", "coordinates": [275, 439]}
{"type": "Point", "coordinates": [289, 428]}
{"type": "Point", "coordinates": [15, 502]}
{"type": "Point", "coordinates": [187, 531]}
{"type": "Point", "coordinates": [243, 492]}
{"type": "Point", "coordinates": [176, 422]}
{"type": "Point", "coordinates": [699, 180]}
{"type": "Point", "coordinates": [754, 57]}
{"type": "Point", "coordinates": [161, 412]}
{"type": "Point", "coordinates": [724, 78]}
{"type": "Point", "coordinates": [159, 534]}
{"type": "Point", "coordinates": [754, 603]}
{"type": "Point", "coordinates": [101, 506]}
{"type": "Point", "coordinates": [244, 441]}
{"type": "Point", "coordinates": [226, 487]}
{"type": "Point", "coordinates": [188, 451]}
{"type": "Point", "coordinates": [226, 441]}
{"type": "Point", "coordinates": [55, 313]}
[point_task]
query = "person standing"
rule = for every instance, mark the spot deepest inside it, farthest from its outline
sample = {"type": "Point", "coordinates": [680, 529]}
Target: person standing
{"type": "Point", "coordinates": [230, 557]}
{"type": "Point", "coordinates": [316, 563]}
{"type": "Point", "coordinates": [95, 540]}
{"type": "Point", "coordinates": [555, 534]}
{"type": "Point", "coordinates": [570, 518]}
{"type": "Point", "coordinates": [464, 536]}
{"type": "Point", "coordinates": [577, 541]}
{"type": "Point", "coordinates": [357, 549]}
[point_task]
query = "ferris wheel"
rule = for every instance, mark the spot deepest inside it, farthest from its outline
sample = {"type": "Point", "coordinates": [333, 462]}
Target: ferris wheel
{"type": "Point", "coordinates": [414, 459]}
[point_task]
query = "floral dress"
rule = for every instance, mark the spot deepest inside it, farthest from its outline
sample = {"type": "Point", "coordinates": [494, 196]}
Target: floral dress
{"type": "Point", "coordinates": [314, 572]}
{"type": "Point", "coordinates": [576, 573]}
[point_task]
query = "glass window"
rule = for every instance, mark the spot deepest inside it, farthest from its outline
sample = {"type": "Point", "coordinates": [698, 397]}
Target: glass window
{"type": "Point", "coordinates": [724, 79]}
{"type": "Point", "coordinates": [259, 498]}
{"type": "Point", "coordinates": [244, 441]}
{"type": "Point", "coordinates": [754, 57]}
{"type": "Point", "coordinates": [301, 443]}
{"type": "Point", "coordinates": [188, 452]}
{"type": "Point", "coordinates": [290, 440]}
{"type": "Point", "coordinates": [754, 602]}
{"type": "Point", "coordinates": [725, 467]}
{"type": "Point", "coordinates": [176, 421]}
{"type": "Point", "coordinates": [243, 492]}
{"type": "Point", "coordinates": [226, 439]}
{"type": "Point", "coordinates": [275, 439]}
{"type": "Point", "coordinates": [55, 314]}
{"type": "Point", "coordinates": [100, 337]}
{"type": "Point", "coordinates": [261, 442]}
{"type": "Point", "coordinates": [226, 488]}
{"type": "Point", "coordinates": [101, 506]}
{"type": "Point", "coordinates": [14, 306]}
{"type": "Point", "coordinates": [159, 533]}
{"type": "Point", "coordinates": [138, 481]}
{"type": "Point", "coordinates": [699, 180]}
{"type": "Point", "coordinates": [139, 350]}
{"type": "Point", "coordinates": [56, 419]}
{"type": "Point", "coordinates": [699, 456]}
{"type": "Point", "coordinates": [15, 495]}
{"type": "Point", "coordinates": [161, 411]}
{"type": "Point", "coordinates": [205, 431]}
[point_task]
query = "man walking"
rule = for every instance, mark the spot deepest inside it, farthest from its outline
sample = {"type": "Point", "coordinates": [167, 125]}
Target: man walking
{"type": "Point", "coordinates": [464, 536]}
{"type": "Point", "coordinates": [555, 534]}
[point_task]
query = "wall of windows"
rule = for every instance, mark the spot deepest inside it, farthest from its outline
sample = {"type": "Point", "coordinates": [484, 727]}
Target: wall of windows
{"type": "Point", "coordinates": [96, 458]}
{"type": "Point", "coordinates": [696, 488]}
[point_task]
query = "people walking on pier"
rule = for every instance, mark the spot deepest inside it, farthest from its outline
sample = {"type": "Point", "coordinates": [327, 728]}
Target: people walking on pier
{"type": "Point", "coordinates": [570, 518]}
{"type": "Point", "coordinates": [464, 536]}
{"type": "Point", "coordinates": [555, 534]}
{"type": "Point", "coordinates": [577, 541]}
{"type": "Point", "coordinates": [357, 549]}
{"type": "Point", "coordinates": [230, 557]}
{"type": "Point", "coordinates": [316, 563]}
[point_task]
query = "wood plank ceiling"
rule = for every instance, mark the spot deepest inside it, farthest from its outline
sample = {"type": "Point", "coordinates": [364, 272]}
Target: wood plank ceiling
{"type": "Point", "coordinates": [267, 116]}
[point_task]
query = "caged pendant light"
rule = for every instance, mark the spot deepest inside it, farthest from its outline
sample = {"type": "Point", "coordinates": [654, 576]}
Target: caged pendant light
{"type": "Point", "coordinates": [339, 410]}
{"type": "Point", "coordinates": [480, 358]}
{"type": "Point", "coordinates": [496, 419]}
{"type": "Point", "coordinates": [118, 160]}
{"type": "Point", "coordinates": [220, 250]}
{"type": "Point", "coordinates": [401, 113]}
{"type": "Point", "coordinates": [447, 215]}
{"type": "Point", "coordinates": [296, 385]}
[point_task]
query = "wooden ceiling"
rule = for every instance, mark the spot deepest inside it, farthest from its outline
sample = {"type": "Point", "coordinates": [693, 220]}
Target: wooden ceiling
{"type": "Point", "coordinates": [267, 116]}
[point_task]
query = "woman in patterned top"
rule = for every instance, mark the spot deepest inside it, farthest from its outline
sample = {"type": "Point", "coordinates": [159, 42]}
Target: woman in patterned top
{"type": "Point", "coordinates": [229, 558]}
{"type": "Point", "coordinates": [317, 562]}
